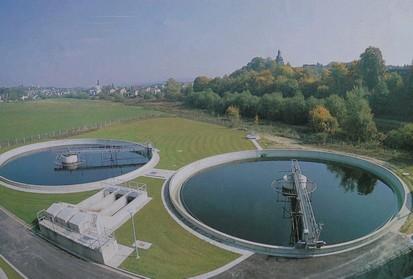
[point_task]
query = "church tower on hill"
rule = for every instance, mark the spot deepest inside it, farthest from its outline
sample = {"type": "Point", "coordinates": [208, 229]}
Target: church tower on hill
{"type": "Point", "coordinates": [279, 59]}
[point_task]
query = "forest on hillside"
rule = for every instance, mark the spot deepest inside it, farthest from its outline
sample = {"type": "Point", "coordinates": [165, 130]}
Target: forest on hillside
{"type": "Point", "coordinates": [338, 100]}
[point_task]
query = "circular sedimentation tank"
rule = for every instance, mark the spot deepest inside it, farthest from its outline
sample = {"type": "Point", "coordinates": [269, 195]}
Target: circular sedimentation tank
{"type": "Point", "coordinates": [74, 165]}
{"type": "Point", "coordinates": [230, 198]}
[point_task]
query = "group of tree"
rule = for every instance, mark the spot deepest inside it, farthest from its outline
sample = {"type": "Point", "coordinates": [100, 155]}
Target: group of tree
{"type": "Point", "coordinates": [351, 114]}
{"type": "Point", "coordinates": [339, 97]}
{"type": "Point", "coordinates": [12, 93]}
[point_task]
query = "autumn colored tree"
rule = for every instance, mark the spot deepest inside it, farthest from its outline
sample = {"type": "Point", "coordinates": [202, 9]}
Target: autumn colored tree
{"type": "Point", "coordinates": [233, 115]}
{"type": "Point", "coordinates": [322, 121]}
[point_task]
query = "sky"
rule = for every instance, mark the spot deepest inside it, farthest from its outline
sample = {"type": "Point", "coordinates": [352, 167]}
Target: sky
{"type": "Point", "coordinates": [74, 43]}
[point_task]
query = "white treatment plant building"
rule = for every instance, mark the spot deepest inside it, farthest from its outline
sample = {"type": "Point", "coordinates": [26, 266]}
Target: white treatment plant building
{"type": "Point", "coordinates": [86, 229]}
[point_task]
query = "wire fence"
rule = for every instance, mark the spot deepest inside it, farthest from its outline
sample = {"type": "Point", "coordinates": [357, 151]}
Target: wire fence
{"type": "Point", "coordinates": [70, 132]}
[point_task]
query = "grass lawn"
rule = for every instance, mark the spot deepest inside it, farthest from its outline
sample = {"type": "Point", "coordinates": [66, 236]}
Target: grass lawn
{"type": "Point", "coordinates": [180, 141]}
{"type": "Point", "coordinates": [24, 119]}
{"type": "Point", "coordinates": [10, 272]}
{"type": "Point", "coordinates": [25, 205]}
{"type": "Point", "coordinates": [175, 253]}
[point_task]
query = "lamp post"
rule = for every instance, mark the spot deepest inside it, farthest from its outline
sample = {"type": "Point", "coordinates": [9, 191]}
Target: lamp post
{"type": "Point", "coordinates": [134, 235]}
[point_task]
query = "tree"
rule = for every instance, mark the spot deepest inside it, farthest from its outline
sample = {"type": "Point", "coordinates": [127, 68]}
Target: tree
{"type": "Point", "coordinates": [201, 83]}
{"type": "Point", "coordinates": [322, 91]}
{"type": "Point", "coordinates": [371, 67]}
{"type": "Point", "coordinates": [262, 82]}
{"type": "Point", "coordinates": [337, 107]}
{"type": "Point", "coordinates": [270, 106]}
{"type": "Point", "coordinates": [379, 98]}
{"type": "Point", "coordinates": [233, 115]}
{"type": "Point", "coordinates": [287, 86]}
{"type": "Point", "coordinates": [257, 120]}
{"type": "Point", "coordinates": [173, 89]}
{"type": "Point", "coordinates": [394, 83]}
{"type": "Point", "coordinates": [401, 138]}
{"type": "Point", "coordinates": [337, 79]}
{"type": "Point", "coordinates": [322, 121]}
{"type": "Point", "coordinates": [309, 85]}
{"type": "Point", "coordinates": [359, 124]}
{"type": "Point", "coordinates": [312, 102]}
{"type": "Point", "coordinates": [247, 103]}
{"type": "Point", "coordinates": [295, 110]}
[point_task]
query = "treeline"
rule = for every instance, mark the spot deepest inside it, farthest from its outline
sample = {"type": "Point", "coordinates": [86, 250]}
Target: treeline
{"type": "Point", "coordinates": [350, 115]}
{"type": "Point", "coordinates": [338, 99]}
{"type": "Point", "coordinates": [12, 93]}
{"type": "Point", "coordinates": [389, 91]}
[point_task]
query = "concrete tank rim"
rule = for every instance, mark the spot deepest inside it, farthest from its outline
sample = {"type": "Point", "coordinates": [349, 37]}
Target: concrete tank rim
{"type": "Point", "coordinates": [176, 187]}
{"type": "Point", "coordinates": [70, 188]}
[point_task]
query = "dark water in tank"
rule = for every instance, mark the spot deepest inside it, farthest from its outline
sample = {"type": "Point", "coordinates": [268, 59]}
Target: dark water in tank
{"type": "Point", "coordinates": [238, 199]}
{"type": "Point", "coordinates": [39, 168]}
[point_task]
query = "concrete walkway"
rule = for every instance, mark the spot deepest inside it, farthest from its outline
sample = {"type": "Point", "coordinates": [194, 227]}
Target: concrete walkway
{"type": "Point", "coordinates": [2, 274]}
{"type": "Point", "coordinates": [256, 144]}
{"type": "Point", "coordinates": [12, 266]}
{"type": "Point", "coordinates": [159, 173]}
{"type": "Point", "coordinates": [334, 266]}
{"type": "Point", "coordinates": [38, 259]}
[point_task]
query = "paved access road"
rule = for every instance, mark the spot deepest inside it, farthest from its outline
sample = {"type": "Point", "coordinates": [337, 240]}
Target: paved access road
{"type": "Point", "coordinates": [38, 259]}
{"type": "Point", "coordinates": [334, 266]}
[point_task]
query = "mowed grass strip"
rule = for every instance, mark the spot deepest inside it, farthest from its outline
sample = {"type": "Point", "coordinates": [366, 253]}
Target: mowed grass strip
{"type": "Point", "coordinates": [9, 270]}
{"type": "Point", "coordinates": [25, 205]}
{"type": "Point", "coordinates": [175, 253]}
{"type": "Point", "coordinates": [25, 119]}
{"type": "Point", "coordinates": [180, 141]}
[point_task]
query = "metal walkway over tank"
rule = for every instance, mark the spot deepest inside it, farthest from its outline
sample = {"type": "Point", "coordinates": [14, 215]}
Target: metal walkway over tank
{"type": "Point", "coordinates": [305, 231]}
{"type": "Point", "coordinates": [104, 148]}
{"type": "Point", "coordinates": [70, 157]}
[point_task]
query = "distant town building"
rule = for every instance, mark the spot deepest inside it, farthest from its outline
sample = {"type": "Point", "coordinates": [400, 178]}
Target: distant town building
{"type": "Point", "coordinates": [279, 59]}
{"type": "Point", "coordinates": [401, 70]}
{"type": "Point", "coordinates": [123, 91]}
{"type": "Point", "coordinates": [98, 88]}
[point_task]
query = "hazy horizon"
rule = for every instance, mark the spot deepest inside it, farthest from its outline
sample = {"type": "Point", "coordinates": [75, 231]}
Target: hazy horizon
{"type": "Point", "coordinates": [75, 43]}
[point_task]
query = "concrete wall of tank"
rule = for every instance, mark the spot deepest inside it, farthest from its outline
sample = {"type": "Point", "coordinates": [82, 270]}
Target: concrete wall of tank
{"type": "Point", "coordinates": [36, 147]}
{"type": "Point", "coordinates": [399, 188]}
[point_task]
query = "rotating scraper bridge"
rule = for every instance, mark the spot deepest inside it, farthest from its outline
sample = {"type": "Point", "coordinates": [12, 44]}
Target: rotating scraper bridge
{"type": "Point", "coordinates": [305, 229]}
{"type": "Point", "coordinates": [70, 157]}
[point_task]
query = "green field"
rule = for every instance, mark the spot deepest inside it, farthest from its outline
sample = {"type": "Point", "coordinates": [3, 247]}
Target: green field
{"type": "Point", "coordinates": [25, 205]}
{"type": "Point", "coordinates": [175, 253]}
{"type": "Point", "coordinates": [10, 272]}
{"type": "Point", "coordinates": [180, 141]}
{"type": "Point", "coordinates": [26, 119]}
